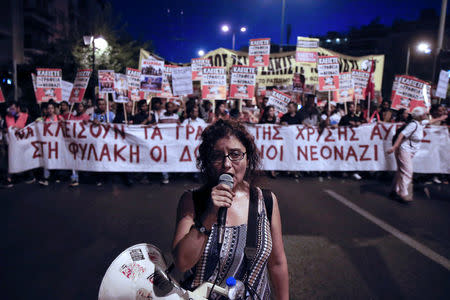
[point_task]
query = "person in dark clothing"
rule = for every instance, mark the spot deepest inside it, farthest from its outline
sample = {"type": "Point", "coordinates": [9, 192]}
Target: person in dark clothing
{"type": "Point", "coordinates": [402, 116]}
{"type": "Point", "coordinates": [290, 117]}
{"type": "Point", "coordinates": [308, 114]}
{"type": "Point", "coordinates": [143, 117]}
{"type": "Point", "coordinates": [269, 116]}
{"type": "Point", "coordinates": [120, 117]}
{"type": "Point", "coordinates": [351, 119]}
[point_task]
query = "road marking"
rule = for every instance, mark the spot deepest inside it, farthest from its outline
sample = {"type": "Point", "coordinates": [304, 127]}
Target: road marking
{"type": "Point", "coordinates": [398, 234]}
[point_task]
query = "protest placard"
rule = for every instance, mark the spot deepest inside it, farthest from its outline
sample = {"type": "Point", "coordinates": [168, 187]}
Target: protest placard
{"type": "Point", "coordinates": [197, 64]}
{"type": "Point", "coordinates": [134, 84]}
{"type": "Point", "coordinates": [259, 52]}
{"type": "Point", "coordinates": [298, 83]}
{"type": "Point", "coordinates": [328, 73]}
{"type": "Point", "coordinates": [106, 80]}
{"type": "Point", "coordinates": [360, 80]}
{"type": "Point", "coordinates": [411, 92]}
{"type": "Point", "coordinates": [79, 86]}
{"type": "Point", "coordinates": [441, 90]}
{"type": "Point", "coordinates": [243, 81]}
{"type": "Point", "coordinates": [120, 94]}
{"type": "Point", "coordinates": [345, 91]}
{"type": "Point", "coordinates": [279, 101]}
{"type": "Point", "coordinates": [283, 66]}
{"type": "Point", "coordinates": [2, 97]}
{"type": "Point", "coordinates": [182, 81]}
{"type": "Point", "coordinates": [48, 85]}
{"type": "Point", "coordinates": [66, 88]}
{"type": "Point", "coordinates": [152, 75]}
{"type": "Point", "coordinates": [307, 49]}
{"type": "Point", "coordinates": [214, 83]}
{"type": "Point", "coordinates": [166, 91]}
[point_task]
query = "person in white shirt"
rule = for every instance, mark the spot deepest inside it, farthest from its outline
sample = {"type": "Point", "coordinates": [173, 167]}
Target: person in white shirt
{"type": "Point", "coordinates": [406, 145]}
{"type": "Point", "coordinates": [193, 118]}
{"type": "Point", "coordinates": [169, 116]}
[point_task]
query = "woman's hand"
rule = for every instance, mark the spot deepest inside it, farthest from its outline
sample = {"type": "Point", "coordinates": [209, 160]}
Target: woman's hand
{"type": "Point", "coordinates": [391, 150]}
{"type": "Point", "coordinates": [221, 196]}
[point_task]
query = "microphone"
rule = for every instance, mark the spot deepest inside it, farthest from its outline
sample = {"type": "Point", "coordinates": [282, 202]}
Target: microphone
{"type": "Point", "coordinates": [226, 179]}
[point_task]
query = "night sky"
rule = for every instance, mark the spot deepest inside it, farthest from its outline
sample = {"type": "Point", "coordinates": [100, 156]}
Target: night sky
{"type": "Point", "coordinates": [179, 29]}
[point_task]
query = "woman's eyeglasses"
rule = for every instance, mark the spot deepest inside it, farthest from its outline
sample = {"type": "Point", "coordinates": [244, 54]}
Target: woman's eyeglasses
{"type": "Point", "coordinates": [234, 156]}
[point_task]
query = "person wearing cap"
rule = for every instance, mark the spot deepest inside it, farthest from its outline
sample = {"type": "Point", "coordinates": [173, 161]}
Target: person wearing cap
{"type": "Point", "coordinates": [406, 145]}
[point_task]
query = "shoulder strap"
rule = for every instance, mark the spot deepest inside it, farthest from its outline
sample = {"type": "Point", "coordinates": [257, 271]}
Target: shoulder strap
{"type": "Point", "coordinates": [251, 241]}
{"type": "Point", "coordinates": [250, 244]}
{"type": "Point", "coordinates": [410, 136]}
{"type": "Point", "coordinates": [268, 201]}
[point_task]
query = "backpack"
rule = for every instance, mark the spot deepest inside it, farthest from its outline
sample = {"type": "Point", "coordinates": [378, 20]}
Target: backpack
{"type": "Point", "coordinates": [399, 130]}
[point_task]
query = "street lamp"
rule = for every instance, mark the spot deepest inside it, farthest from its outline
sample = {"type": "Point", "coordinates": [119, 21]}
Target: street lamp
{"type": "Point", "coordinates": [226, 28]}
{"type": "Point", "coordinates": [421, 47]}
{"type": "Point", "coordinates": [98, 43]}
{"type": "Point", "coordinates": [201, 52]}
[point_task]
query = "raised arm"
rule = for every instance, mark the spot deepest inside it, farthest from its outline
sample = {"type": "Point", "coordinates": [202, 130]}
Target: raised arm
{"type": "Point", "coordinates": [188, 243]}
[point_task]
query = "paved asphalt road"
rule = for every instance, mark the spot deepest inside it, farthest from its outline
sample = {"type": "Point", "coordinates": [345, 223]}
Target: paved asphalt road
{"type": "Point", "coordinates": [58, 242]}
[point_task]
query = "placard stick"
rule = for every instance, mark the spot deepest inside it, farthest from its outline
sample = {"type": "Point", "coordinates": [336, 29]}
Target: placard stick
{"type": "Point", "coordinates": [70, 111]}
{"type": "Point", "coordinates": [125, 113]}
{"type": "Point", "coordinates": [107, 108]}
{"type": "Point", "coordinates": [368, 108]}
{"type": "Point", "coordinates": [329, 97]}
{"type": "Point", "coordinates": [132, 109]}
{"type": "Point", "coordinates": [345, 107]}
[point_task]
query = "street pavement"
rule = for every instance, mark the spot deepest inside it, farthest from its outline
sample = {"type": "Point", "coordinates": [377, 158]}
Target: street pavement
{"type": "Point", "coordinates": [59, 241]}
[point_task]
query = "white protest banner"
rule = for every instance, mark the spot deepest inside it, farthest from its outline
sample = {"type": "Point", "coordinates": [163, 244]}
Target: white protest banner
{"type": "Point", "coordinates": [279, 101]}
{"type": "Point", "coordinates": [120, 94]}
{"type": "Point", "coordinates": [442, 86]}
{"type": "Point", "coordinates": [360, 80]}
{"type": "Point", "coordinates": [182, 81]}
{"type": "Point", "coordinates": [214, 83]}
{"type": "Point", "coordinates": [48, 85]}
{"type": "Point", "coordinates": [134, 84]}
{"type": "Point", "coordinates": [197, 64]}
{"type": "Point", "coordinates": [259, 52]}
{"type": "Point", "coordinates": [173, 148]}
{"type": "Point", "coordinates": [106, 80]}
{"type": "Point", "coordinates": [152, 75]}
{"type": "Point", "coordinates": [345, 91]}
{"type": "Point", "coordinates": [328, 72]}
{"type": "Point", "coordinates": [66, 88]}
{"type": "Point", "coordinates": [79, 86]}
{"type": "Point", "coordinates": [243, 81]}
{"type": "Point", "coordinates": [307, 49]}
{"type": "Point", "coordinates": [410, 92]}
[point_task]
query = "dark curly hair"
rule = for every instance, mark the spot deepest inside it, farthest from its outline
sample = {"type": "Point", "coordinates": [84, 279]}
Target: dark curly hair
{"type": "Point", "coordinates": [219, 130]}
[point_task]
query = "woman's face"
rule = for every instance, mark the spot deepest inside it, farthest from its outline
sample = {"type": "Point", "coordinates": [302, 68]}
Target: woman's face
{"type": "Point", "coordinates": [405, 115]}
{"type": "Point", "coordinates": [271, 112]}
{"type": "Point", "coordinates": [50, 110]}
{"type": "Point", "coordinates": [80, 108]}
{"type": "Point", "coordinates": [225, 146]}
{"type": "Point", "coordinates": [222, 108]}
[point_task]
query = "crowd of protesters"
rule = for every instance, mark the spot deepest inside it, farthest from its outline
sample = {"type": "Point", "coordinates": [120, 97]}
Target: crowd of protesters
{"type": "Point", "coordinates": [200, 112]}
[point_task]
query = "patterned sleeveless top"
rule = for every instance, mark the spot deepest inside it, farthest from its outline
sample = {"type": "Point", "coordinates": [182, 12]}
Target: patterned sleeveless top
{"type": "Point", "coordinates": [233, 261]}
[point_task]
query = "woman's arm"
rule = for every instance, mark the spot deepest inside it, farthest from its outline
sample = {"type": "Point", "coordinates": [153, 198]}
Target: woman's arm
{"type": "Point", "coordinates": [278, 268]}
{"type": "Point", "coordinates": [397, 143]}
{"type": "Point", "coordinates": [188, 243]}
